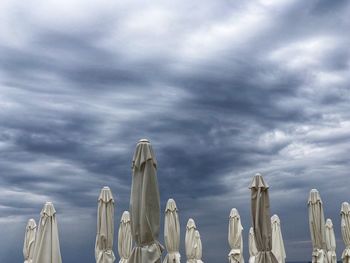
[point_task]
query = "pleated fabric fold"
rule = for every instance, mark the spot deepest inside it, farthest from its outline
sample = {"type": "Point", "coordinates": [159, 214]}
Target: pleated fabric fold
{"type": "Point", "coordinates": [105, 227]}
{"type": "Point", "coordinates": [260, 208]}
{"type": "Point", "coordinates": [145, 206]}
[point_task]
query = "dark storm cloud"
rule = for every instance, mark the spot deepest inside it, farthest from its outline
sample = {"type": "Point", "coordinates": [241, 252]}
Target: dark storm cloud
{"type": "Point", "coordinates": [227, 91]}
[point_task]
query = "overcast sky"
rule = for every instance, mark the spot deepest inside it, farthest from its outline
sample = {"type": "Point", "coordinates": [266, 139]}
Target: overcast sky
{"type": "Point", "coordinates": [223, 89]}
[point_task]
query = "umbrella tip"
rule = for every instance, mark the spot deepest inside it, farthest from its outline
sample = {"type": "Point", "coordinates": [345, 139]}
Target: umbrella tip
{"type": "Point", "coordinates": [144, 140]}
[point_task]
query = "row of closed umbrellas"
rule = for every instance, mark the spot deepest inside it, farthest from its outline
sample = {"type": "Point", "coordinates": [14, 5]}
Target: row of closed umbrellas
{"type": "Point", "coordinates": [105, 232]}
{"type": "Point", "coordinates": [322, 232]}
{"type": "Point", "coordinates": [139, 228]}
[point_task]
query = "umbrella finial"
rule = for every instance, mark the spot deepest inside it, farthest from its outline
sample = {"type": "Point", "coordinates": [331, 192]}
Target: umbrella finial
{"type": "Point", "coordinates": [314, 196]}
{"type": "Point", "coordinates": [125, 217]}
{"type": "Point", "coordinates": [258, 182]}
{"type": "Point", "coordinates": [191, 224]}
{"type": "Point", "coordinates": [171, 205]}
{"type": "Point", "coordinates": [345, 208]}
{"type": "Point", "coordinates": [106, 195]}
{"type": "Point", "coordinates": [234, 213]}
{"type": "Point", "coordinates": [329, 223]}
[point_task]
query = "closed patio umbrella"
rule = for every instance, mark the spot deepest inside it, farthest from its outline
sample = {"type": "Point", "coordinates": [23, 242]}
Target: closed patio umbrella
{"type": "Point", "coordinates": [190, 241]}
{"type": "Point", "coordinates": [198, 247]}
{"type": "Point", "coordinates": [260, 208]}
{"type": "Point", "coordinates": [277, 240]}
{"type": "Point", "coordinates": [124, 238]}
{"type": "Point", "coordinates": [235, 238]}
{"type": "Point", "coordinates": [172, 233]}
{"type": "Point", "coordinates": [317, 227]}
{"type": "Point", "coordinates": [330, 242]}
{"type": "Point", "coordinates": [345, 231]}
{"type": "Point", "coordinates": [105, 227]}
{"type": "Point", "coordinates": [145, 206]}
{"type": "Point", "coordinates": [47, 245]}
{"type": "Point", "coordinates": [29, 241]}
{"type": "Point", "coordinates": [253, 251]}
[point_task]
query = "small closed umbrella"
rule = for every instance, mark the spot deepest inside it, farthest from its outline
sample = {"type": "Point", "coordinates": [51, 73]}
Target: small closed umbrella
{"type": "Point", "coordinates": [317, 227]}
{"type": "Point", "coordinates": [235, 238]}
{"type": "Point", "coordinates": [47, 245]}
{"type": "Point", "coordinates": [105, 227]}
{"type": "Point", "coordinates": [145, 206]}
{"type": "Point", "coordinates": [124, 238]}
{"type": "Point", "coordinates": [277, 240]}
{"type": "Point", "coordinates": [190, 241]}
{"type": "Point", "coordinates": [198, 247]}
{"type": "Point", "coordinates": [345, 230]}
{"type": "Point", "coordinates": [260, 208]}
{"type": "Point", "coordinates": [172, 233]}
{"type": "Point", "coordinates": [29, 241]}
{"type": "Point", "coordinates": [330, 242]}
{"type": "Point", "coordinates": [253, 251]}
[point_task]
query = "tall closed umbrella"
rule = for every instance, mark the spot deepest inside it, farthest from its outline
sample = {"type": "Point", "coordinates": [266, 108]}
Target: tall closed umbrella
{"type": "Point", "coordinates": [145, 206]}
{"type": "Point", "coordinates": [47, 245]}
{"type": "Point", "coordinates": [345, 230]}
{"type": "Point", "coordinates": [124, 238]}
{"type": "Point", "coordinates": [105, 227]}
{"type": "Point", "coordinates": [253, 251]}
{"type": "Point", "coordinates": [190, 241]}
{"type": "Point", "coordinates": [260, 208]}
{"type": "Point", "coordinates": [172, 233]}
{"type": "Point", "coordinates": [330, 242]}
{"type": "Point", "coordinates": [317, 227]}
{"type": "Point", "coordinates": [235, 238]}
{"type": "Point", "coordinates": [277, 240]}
{"type": "Point", "coordinates": [198, 247]}
{"type": "Point", "coordinates": [29, 241]}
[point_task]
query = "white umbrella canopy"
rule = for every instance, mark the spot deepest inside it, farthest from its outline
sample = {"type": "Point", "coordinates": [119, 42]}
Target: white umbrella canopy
{"type": "Point", "coordinates": [330, 242]}
{"type": "Point", "coordinates": [317, 227]}
{"type": "Point", "coordinates": [105, 227]}
{"type": "Point", "coordinates": [172, 233]}
{"type": "Point", "coordinates": [145, 206]}
{"type": "Point", "coordinates": [29, 241]}
{"type": "Point", "coordinates": [190, 241]}
{"type": "Point", "coordinates": [235, 238]}
{"type": "Point", "coordinates": [345, 230]}
{"type": "Point", "coordinates": [277, 240]}
{"type": "Point", "coordinates": [253, 251]}
{"type": "Point", "coordinates": [124, 238]}
{"type": "Point", "coordinates": [260, 207]}
{"type": "Point", "coordinates": [198, 247]}
{"type": "Point", "coordinates": [47, 245]}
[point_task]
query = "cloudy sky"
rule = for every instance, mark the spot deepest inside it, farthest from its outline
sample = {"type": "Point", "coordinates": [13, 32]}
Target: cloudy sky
{"type": "Point", "coordinates": [223, 89]}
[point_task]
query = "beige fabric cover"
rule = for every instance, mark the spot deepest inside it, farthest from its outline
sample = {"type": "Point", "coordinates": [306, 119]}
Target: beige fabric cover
{"type": "Point", "coordinates": [190, 245]}
{"type": "Point", "coordinates": [198, 247]}
{"type": "Point", "coordinates": [317, 227]}
{"type": "Point", "coordinates": [277, 240]}
{"type": "Point", "coordinates": [29, 241]}
{"type": "Point", "coordinates": [47, 245]}
{"type": "Point", "coordinates": [235, 238]}
{"type": "Point", "coordinates": [345, 231]}
{"type": "Point", "coordinates": [124, 238]}
{"type": "Point", "coordinates": [253, 251]}
{"type": "Point", "coordinates": [330, 242]}
{"type": "Point", "coordinates": [172, 233]}
{"type": "Point", "coordinates": [145, 206]}
{"type": "Point", "coordinates": [105, 227]}
{"type": "Point", "coordinates": [260, 207]}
